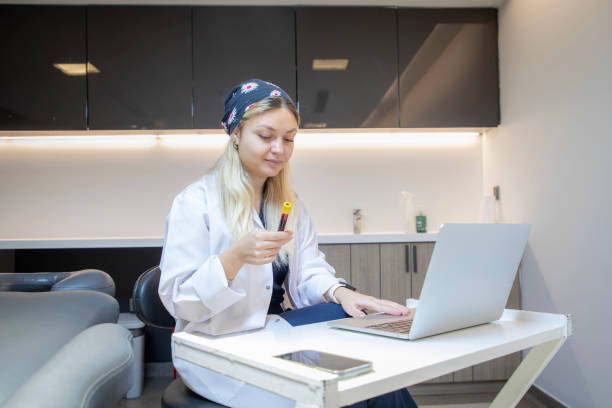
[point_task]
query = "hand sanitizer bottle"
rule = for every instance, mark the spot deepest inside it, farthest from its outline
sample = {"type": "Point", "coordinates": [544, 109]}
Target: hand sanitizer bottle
{"type": "Point", "coordinates": [421, 219]}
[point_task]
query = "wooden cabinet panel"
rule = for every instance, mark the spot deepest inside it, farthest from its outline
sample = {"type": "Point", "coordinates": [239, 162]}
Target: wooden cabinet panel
{"type": "Point", "coordinates": [403, 268]}
{"type": "Point", "coordinates": [338, 256]}
{"type": "Point", "coordinates": [395, 273]}
{"type": "Point", "coordinates": [493, 370]}
{"type": "Point", "coordinates": [420, 257]}
{"type": "Point", "coordinates": [443, 379]}
{"type": "Point", "coordinates": [365, 268]}
{"type": "Point", "coordinates": [512, 361]}
{"type": "Point", "coordinates": [465, 375]}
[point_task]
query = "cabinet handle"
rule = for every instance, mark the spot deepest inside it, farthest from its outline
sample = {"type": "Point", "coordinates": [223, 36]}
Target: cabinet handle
{"type": "Point", "coordinates": [408, 258]}
{"type": "Point", "coordinates": [414, 258]}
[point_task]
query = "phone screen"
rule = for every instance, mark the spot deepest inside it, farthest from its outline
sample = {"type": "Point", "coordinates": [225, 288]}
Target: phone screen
{"type": "Point", "coordinates": [326, 361]}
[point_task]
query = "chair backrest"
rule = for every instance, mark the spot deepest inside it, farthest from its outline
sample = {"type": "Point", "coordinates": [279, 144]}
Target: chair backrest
{"type": "Point", "coordinates": [147, 304]}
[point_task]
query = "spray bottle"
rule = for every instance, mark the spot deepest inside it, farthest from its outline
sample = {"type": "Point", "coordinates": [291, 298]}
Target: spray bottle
{"type": "Point", "coordinates": [407, 201]}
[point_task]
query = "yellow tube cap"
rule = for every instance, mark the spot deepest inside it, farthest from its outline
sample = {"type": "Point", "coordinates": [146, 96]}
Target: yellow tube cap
{"type": "Point", "coordinates": [286, 207]}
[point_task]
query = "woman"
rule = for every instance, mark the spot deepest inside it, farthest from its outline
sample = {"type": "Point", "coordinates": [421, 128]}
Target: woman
{"type": "Point", "coordinates": [224, 264]}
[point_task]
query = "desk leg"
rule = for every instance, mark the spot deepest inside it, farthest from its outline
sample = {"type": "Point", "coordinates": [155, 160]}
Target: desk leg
{"type": "Point", "coordinates": [526, 373]}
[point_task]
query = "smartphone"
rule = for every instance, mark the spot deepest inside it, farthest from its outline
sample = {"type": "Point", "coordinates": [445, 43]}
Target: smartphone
{"type": "Point", "coordinates": [343, 367]}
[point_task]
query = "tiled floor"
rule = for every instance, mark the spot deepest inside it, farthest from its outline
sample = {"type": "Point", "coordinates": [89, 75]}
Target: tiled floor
{"type": "Point", "coordinates": [154, 388]}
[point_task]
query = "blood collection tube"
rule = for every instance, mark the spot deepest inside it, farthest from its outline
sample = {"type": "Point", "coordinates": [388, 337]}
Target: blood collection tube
{"type": "Point", "coordinates": [284, 215]}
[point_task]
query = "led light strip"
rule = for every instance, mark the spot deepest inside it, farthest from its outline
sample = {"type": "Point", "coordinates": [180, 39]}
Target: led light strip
{"type": "Point", "coordinates": [370, 140]}
{"type": "Point", "coordinates": [211, 140]}
{"type": "Point", "coordinates": [82, 141]}
{"type": "Point", "coordinates": [386, 140]}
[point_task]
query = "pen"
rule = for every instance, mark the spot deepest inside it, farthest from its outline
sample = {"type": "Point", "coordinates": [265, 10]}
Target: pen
{"type": "Point", "coordinates": [284, 215]}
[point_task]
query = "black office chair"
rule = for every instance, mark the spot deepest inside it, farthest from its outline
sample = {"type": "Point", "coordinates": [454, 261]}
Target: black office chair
{"type": "Point", "coordinates": [149, 308]}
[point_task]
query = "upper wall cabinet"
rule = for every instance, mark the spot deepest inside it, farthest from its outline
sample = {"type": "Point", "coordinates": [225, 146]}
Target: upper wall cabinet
{"type": "Point", "coordinates": [233, 44]}
{"type": "Point", "coordinates": [448, 67]}
{"type": "Point", "coordinates": [347, 67]}
{"type": "Point", "coordinates": [167, 67]}
{"type": "Point", "coordinates": [42, 75]}
{"type": "Point", "coordinates": [140, 74]}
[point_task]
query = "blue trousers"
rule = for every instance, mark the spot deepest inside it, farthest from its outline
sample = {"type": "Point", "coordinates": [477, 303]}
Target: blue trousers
{"type": "Point", "coordinates": [330, 311]}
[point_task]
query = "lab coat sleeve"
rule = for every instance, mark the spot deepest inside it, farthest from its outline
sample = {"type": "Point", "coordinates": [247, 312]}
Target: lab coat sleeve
{"type": "Point", "coordinates": [193, 285]}
{"type": "Point", "coordinates": [315, 275]}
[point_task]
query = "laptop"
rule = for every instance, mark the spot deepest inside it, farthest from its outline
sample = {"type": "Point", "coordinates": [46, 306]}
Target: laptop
{"type": "Point", "coordinates": [468, 281]}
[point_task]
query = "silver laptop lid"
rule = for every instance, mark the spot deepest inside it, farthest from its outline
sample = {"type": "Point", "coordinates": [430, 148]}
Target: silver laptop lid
{"type": "Point", "coordinates": [470, 276]}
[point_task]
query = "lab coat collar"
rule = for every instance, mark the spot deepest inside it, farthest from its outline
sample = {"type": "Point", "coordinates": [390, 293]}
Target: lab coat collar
{"type": "Point", "coordinates": [257, 220]}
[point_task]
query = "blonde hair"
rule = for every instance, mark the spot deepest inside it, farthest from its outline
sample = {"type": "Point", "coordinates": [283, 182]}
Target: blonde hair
{"type": "Point", "coordinates": [236, 194]}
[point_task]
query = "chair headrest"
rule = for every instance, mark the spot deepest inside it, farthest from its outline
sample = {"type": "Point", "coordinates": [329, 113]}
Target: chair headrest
{"type": "Point", "coordinates": [147, 304]}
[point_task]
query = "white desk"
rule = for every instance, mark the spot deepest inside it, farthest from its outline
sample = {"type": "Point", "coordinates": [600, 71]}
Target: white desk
{"type": "Point", "coordinates": [397, 363]}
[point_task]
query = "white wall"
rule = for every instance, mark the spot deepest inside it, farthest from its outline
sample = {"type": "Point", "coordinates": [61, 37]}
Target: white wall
{"type": "Point", "coordinates": [552, 158]}
{"type": "Point", "coordinates": [333, 182]}
{"type": "Point", "coordinates": [77, 192]}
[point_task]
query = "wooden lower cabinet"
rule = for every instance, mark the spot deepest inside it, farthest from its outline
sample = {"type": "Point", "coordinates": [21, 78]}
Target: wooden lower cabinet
{"type": "Point", "coordinates": [338, 256]}
{"type": "Point", "coordinates": [365, 268]}
{"type": "Point", "coordinates": [396, 271]}
{"type": "Point", "coordinates": [395, 276]}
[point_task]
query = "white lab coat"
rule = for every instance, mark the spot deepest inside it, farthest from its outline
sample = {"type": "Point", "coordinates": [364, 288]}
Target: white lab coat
{"type": "Point", "coordinates": [194, 289]}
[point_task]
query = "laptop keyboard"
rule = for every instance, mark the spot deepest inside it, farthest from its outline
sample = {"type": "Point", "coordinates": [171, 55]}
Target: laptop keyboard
{"type": "Point", "coordinates": [398, 326]}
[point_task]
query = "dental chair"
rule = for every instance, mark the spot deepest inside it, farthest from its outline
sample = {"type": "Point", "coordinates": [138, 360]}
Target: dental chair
{"type": "Point", "coordinates": [60, 345]}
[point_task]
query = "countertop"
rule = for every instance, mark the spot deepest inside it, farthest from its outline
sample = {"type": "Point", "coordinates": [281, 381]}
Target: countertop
{"type": "Point", "coordinates": [142, 242]}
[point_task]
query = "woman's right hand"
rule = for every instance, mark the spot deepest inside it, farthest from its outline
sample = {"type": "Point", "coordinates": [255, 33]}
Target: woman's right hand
{"type": "Point", "coordinates": [258, 247]}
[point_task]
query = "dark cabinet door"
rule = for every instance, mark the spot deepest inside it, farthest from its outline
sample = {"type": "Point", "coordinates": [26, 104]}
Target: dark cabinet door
{"type": "Point", "coordinates": [347, 67]}
{"type": "Point", "coordinates": [448, 67]}
{"type": "Point", "coordinates": [143, 55]}
{"type": "Point", "coordinates": [35, 94]}
{"type": "Point", "coordinates": [233, 44]}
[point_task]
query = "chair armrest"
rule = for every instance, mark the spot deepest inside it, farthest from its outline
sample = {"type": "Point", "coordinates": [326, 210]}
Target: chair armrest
{"type": "Point", "coordinates": [30, 282]}
{"type": "Point", "coordinates": [86, 279]}
{"type": "Point", "coordinates": [92, 370]}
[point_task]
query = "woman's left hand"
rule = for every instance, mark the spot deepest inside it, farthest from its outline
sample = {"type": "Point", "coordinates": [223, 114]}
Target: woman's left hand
{"type": "Point", "coordinates": [354, 304]}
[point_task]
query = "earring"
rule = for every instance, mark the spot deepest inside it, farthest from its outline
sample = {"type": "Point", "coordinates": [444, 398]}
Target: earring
{"type": "Point", "coordinates": [235, 145]}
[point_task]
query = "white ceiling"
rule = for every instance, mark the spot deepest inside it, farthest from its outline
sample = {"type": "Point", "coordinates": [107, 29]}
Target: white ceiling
{"type": "Point", "coordinates": [400, 3]}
